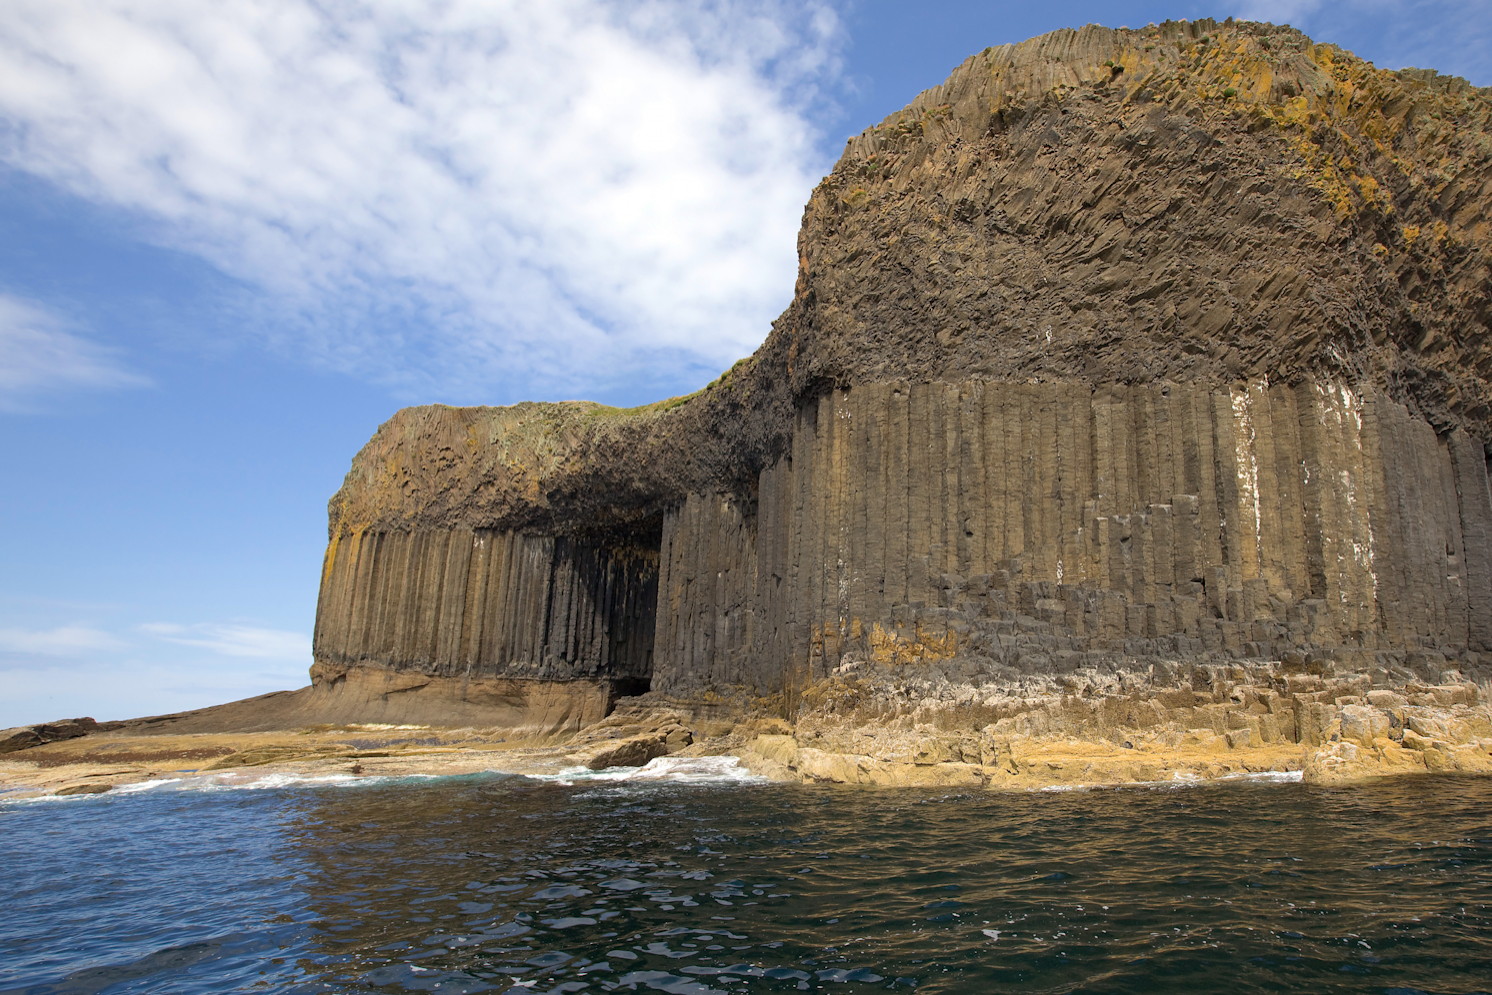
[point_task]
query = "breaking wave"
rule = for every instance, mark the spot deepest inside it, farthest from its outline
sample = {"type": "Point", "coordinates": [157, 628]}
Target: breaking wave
{"type": "Point", "coordinates": [677, 770]}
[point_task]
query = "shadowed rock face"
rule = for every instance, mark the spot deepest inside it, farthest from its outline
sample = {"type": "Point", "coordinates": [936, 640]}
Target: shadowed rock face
{"type": "Point", "coordinates": [1120, 347]}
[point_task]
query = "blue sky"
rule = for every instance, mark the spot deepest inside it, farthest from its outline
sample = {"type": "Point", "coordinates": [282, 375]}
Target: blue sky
{"type": "Point", "coordinates": [235, 237]}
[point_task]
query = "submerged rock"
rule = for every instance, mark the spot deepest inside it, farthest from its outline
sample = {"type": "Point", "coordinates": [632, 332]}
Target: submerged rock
{"type": "Point", "coordinates": [634, 751]}
{"type": "Point", "coordinates": [84, 789]}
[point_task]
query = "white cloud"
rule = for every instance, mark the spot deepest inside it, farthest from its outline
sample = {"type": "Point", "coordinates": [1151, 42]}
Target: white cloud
{"type": "Point", "coordinates": [234, 640]}
{"type": "Point", "coordinates": [63, 641]}
{"type": "Point", "coordinates": [447, 192]}
{"type": "Point", "coordinates": [39, 356]}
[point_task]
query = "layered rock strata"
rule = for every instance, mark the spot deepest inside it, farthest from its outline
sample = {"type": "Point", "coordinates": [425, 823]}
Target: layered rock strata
{"type": "Point", "coordinates": [1165, 723]}
{"type": "Point", "coordinates": [1120, 353]}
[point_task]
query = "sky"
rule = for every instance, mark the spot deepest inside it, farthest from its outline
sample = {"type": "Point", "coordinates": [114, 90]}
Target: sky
{"type": "Point", "coordinates": [235, 237]}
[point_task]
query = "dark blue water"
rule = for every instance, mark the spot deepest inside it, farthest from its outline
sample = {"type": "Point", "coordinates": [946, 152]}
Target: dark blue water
{"type": "Point", "coordinates": [506, 884]}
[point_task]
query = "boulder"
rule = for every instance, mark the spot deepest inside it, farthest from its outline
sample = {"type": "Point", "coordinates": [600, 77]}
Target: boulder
{"type": "Point", "coordinates": [25, 737]}
{"type": "Point", "coordinates": [633, 751]}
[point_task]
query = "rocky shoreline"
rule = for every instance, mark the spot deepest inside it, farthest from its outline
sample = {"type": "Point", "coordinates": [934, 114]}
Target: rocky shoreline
{"type": "Point", "coordinates": [1096, 731]}
{"type": "Point", "coordinates": [874, 728]}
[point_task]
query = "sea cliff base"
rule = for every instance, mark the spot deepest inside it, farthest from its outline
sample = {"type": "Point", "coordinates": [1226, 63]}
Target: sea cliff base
{"type": "Point", "coordinates": [875, 727]}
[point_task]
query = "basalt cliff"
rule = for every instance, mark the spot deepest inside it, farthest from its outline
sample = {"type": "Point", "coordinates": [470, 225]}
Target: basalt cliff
{"type": "Point", "coordinates": [1132, 414]}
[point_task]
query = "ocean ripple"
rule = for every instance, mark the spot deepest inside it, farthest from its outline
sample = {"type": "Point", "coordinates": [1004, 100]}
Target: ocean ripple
{"type": "Point", "coordinates": [694, 878]}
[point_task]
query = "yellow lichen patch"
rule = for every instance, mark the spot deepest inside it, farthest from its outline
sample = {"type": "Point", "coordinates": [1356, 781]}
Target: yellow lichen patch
{"type": "Point", "coordinates": [1372, 193]}
{"type": "Point", "coordinates": [833, 695]}
{"type": "Point", "coordinates": [1349, 122]}
{"type": "Point", "coordinates": [1410, 234]}
{"type": "Point", "coordinates": [343, 522]}
{"type": "Point", "coordinates": [329, 561]}
{"type": "Point", "coordinates": [1293, 113]}
{"type": "Point", "coordinates": [1341, 181]}
{"type": "Point", "coordinates": [890, 649]}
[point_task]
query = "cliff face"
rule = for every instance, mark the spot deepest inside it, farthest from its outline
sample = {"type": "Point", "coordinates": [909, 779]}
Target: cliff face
{"type": "Point", "coordinates": [1122, 352]}
{"type": "Point", "coordinates": [981, 531]}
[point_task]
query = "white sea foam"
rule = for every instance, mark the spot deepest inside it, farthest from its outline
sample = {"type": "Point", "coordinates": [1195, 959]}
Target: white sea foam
{"type": "Point", "coordinates": [1190, 779]}
{"type": "Point", "coordinates": [28, 799]}
{"type": "Point", "coordinates": [227, 781]}
{"type": "Point", "coordinates": [138, 786]}
{"type": "Point", "coordinates": [676, 770]}
{"type": "Point", "coordinates": [255, 782]}
{"type": "Point", "coordinates": [663, 770]}
{"type": "Point", "coordinates": [1268, 776]}
{"type": "Point", "coordinates": [238, 781]}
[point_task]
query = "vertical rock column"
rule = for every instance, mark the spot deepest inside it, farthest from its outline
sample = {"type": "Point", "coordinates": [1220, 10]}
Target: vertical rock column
{"type": "Point", "coordinates": [1042, 525]}
{"type": "Point", "coordinates": [1470, 476]}
{"type": "Point", "coordinates": [487, 603]}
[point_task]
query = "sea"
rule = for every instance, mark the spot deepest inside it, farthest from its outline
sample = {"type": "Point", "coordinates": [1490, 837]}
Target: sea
{"type": "Point", "coordinates": [694, 877]}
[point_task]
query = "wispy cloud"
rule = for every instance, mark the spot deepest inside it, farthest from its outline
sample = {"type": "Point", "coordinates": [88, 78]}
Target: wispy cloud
{"type": "Point", "coordinates": [234, 640]}
{"type": "Point", "coordinates": [61, 641]}
{"type": "Point", "coordinates": [40, 356]}
{"type": "Point", "coordinates": [123, 669]}
{"type": "Point", "coordinates": [447, 192]}
{"type": "Point", "coordinates": [1453, 36]}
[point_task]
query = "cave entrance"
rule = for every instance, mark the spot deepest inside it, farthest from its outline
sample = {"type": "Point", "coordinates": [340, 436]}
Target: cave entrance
{"type": "Point", "coordinates": [629, 687]}
{"type": "Point", "coordinates": [622, 571]}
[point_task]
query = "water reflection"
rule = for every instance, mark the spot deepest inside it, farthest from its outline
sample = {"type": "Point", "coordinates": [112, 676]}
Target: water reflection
{"type": "Point", "coordinates": [513, 885]}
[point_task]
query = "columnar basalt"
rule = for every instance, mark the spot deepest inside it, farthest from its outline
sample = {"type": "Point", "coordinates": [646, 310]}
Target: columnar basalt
{"type": "Point", "coordinates": [985, 529]}
{"type": "Point", "coordinates": [451, 603]}
{"type": "Point", "coordinates": [1120, 355]}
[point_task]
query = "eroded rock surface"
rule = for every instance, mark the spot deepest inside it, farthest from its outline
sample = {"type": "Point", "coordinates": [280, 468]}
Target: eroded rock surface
{"type": "Point", "coordinates": [1120, 353]}
{"type": "Point", "coordinates": [25, 737]}
{"type": "Point", "coordinates": [1093, 728]}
